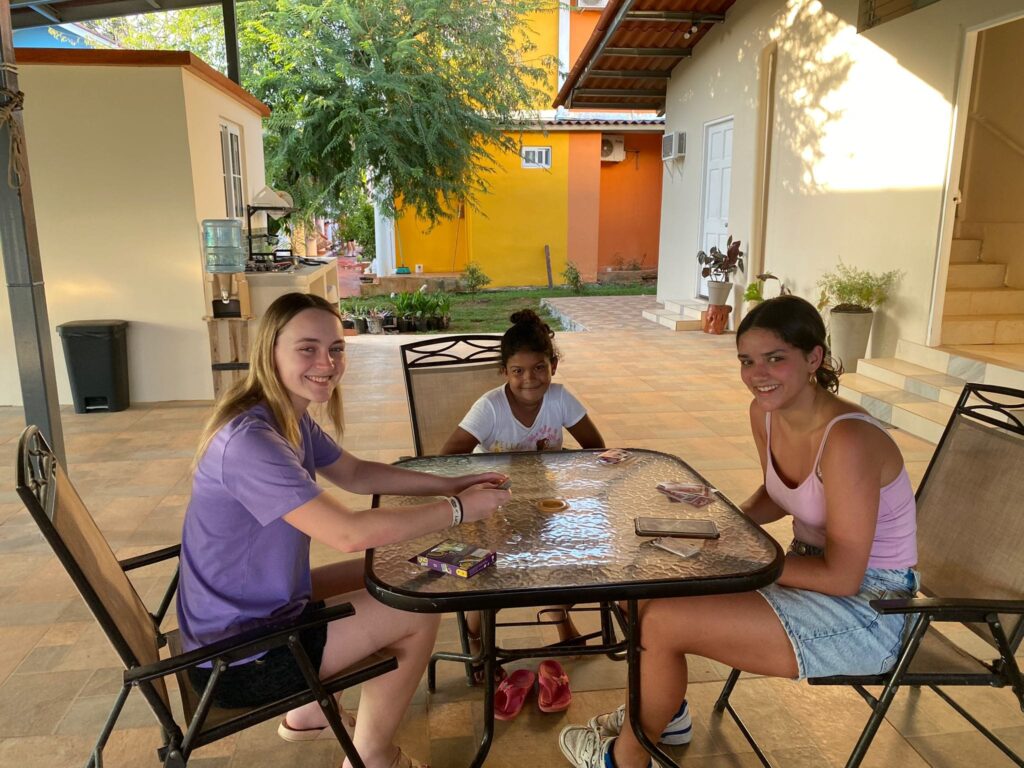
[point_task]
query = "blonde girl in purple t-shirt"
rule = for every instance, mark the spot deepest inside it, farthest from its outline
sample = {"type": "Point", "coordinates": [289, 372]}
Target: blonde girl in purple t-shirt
{"type": "Point", "coordinates": [255, 505]}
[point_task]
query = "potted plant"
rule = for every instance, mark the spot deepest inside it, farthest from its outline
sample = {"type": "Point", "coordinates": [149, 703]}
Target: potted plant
{"type": "Point", "coordinates": [852, 295]}
{"type": "Point", "coordinates": [754, 292]}
{"type": "Point", "coordinates": [719, 267]}
{"type": "Point", "coordinates": [443, 306]}
{"type": "Point", "coordinates": [405, 310]}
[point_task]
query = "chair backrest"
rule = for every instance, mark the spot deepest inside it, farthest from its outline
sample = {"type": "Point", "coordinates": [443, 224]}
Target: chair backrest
{"type": "Point", "coordinates": [57, 509]}
{"type": "Point", "coordinates": [970, 521]}
{"type": "Point", "coordinates": [443, 378]}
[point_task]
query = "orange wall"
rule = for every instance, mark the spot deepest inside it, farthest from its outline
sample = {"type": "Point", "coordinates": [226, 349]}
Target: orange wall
{"type": "Point", "coordinates": [584, 201]}
{"type": "Point", "coordinates": [581, 26]}
{"type": "Point", "coordinates": [630, 208]}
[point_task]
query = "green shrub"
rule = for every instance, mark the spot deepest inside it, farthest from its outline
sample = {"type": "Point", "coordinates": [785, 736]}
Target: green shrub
{"type": "Point", "coordinates": [473, 279]}
{"type": "Point", "coordinates": [573, 278]}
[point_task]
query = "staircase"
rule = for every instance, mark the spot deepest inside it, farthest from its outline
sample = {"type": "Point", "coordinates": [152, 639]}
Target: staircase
{"type": "Point", "coordinates": [916, 389]}
{"type": "Point", "coordinates": [980, 308]}
{"type": "Point", "coordinates": [679, 315]}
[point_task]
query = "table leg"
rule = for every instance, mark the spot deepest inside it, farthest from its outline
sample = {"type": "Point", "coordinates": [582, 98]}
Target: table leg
{"type": "Point", "coordinates": [633, 662]}
{"type": "Point", "coordinates": [487, 651]}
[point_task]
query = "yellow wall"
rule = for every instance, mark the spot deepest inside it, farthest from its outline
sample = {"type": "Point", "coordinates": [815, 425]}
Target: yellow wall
{"type": "Point", "coordinates": [528, 209]}
{"type": "Point", "coordinates": [542, 28]}
{"type": "Point", "coordinates": [110, 153]}
{"type": "Point", "coordinates": [859, 148]}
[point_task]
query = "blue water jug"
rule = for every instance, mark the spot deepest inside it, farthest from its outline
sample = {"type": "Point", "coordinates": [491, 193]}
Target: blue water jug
{"type": "Point", "coordinates": [222, 245]}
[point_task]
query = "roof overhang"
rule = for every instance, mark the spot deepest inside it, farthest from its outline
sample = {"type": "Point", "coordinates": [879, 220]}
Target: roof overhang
{"type": "Point", "coordinates": [31, 13]}
{"type": "Point", "coordinates": [629, 58]}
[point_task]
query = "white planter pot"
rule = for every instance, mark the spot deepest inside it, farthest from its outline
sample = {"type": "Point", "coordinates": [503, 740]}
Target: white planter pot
{"type": "Point", "coordinates": [849, 336]}
{"type": "Point", "coordinates": [719, 293]}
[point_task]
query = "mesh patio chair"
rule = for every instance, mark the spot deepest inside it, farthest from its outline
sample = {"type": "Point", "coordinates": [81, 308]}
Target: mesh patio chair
{"type": "Point", "coordinates": [443, 378]}
{"type": "Point", "coordinates": [135, 633]}
{"type": "Point", "coordinates": [971, 560]}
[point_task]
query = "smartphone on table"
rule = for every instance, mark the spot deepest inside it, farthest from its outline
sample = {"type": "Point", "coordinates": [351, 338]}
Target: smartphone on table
{"type": "Point", "coordinates": [675, 527]}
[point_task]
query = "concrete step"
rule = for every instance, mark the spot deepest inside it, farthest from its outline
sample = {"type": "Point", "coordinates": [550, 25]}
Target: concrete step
{"type": "Point", "coordinates": [893, 373]}
{"type": "Point", "coordinates": [671, 320]}
{"type": "Point", "coordinates": [984, 301]}
{"type": "Point", "coordinates": [965, 251]}
{"type": "Point", "coordinates": [983, 329]}
{"type": "Point", "coordinates": [915, 414]}
{"type": "Point", "coordinates": [917, 389]}
{"type": "Point", "coordinates": [980, 275]}
{"type": "Point", "coordinates": [691, 309]}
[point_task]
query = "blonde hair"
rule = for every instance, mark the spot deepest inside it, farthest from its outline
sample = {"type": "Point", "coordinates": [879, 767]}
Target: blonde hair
{"type": "Point", "coordinates": [263, 384]}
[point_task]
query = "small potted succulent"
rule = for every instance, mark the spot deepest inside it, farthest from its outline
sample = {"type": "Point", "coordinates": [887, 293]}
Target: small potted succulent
{"type": "Point", "coordinates": [852, 294]}
{"type": "Point", "coordinates": [719, 267]}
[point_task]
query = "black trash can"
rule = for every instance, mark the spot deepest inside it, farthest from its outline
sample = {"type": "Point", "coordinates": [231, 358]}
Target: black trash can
{"type": "Point", "coordinates": [96, 352]}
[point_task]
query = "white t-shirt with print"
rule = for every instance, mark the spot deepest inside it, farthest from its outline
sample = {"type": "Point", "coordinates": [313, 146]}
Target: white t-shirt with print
{"type": "Point", "coordinates": [490, 421]}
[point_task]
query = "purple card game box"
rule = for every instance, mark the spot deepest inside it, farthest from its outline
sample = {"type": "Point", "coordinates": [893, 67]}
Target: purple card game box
{"type": "Point", "coordinates": [456, 558]}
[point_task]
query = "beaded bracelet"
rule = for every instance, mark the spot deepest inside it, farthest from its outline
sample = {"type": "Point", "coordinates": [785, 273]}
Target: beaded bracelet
{"type": "Point", "coordinates": [456, 505]}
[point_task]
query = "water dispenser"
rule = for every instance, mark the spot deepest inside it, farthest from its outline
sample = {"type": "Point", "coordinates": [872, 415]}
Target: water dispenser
{"type": "Point", "coordinates": [223, 251]}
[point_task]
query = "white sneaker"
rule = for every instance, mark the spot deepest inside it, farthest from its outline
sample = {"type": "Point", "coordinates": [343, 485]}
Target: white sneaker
{"type": "Point", "coordinates": [583, 746]}
{"type": "Point", "coordinates": [678, 731]}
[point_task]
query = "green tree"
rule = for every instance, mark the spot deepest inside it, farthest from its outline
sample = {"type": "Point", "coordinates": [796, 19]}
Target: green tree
{"type": "Point", "coordinates": [414, 95]}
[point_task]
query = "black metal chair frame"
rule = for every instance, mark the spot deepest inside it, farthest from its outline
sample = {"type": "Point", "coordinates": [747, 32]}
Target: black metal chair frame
{"type": "Point", "coordinates": [37, 488]}
{"type": "Point", "coordinates": [1001, 672]}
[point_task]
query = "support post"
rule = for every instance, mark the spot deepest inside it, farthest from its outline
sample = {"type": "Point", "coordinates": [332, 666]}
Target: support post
{"type": "Point", "coordinates": [23, 270]}
{"type": "Point", "coordinates": [547, 262]}
{"type": "Point", "coordinates": [231, 40]}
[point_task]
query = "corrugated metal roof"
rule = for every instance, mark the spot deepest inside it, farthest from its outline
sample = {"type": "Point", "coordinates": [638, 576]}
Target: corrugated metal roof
{"type": "Point", "coordinates": [627, 62]}
{"type": "Point", "coordinates": [655, 121]}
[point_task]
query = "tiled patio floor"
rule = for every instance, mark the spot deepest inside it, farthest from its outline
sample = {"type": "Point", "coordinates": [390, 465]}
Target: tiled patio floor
{"type": "Point", "coordinates": [644, 386]}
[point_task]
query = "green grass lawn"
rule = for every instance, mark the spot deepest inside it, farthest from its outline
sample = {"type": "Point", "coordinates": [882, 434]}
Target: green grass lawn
{"type": "Point", "coordinates": [489, 311]}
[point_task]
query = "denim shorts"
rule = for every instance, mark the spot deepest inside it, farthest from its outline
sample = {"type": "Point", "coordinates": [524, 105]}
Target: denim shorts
{"type": "Point", "coordinates": [834, 635]}
{"type": "Point", "coordinates": [272, 676]}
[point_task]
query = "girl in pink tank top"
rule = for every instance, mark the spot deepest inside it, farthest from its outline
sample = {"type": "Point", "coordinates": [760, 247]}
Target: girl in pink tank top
{"type": "Point", "coordinates": [839, 475]}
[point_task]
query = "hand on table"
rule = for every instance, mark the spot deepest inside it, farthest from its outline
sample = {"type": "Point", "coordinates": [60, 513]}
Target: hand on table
{"type": "Point", "coordinates": [481, 501]}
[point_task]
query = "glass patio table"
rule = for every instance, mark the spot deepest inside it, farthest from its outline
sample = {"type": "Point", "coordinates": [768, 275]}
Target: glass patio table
{"type": "Point", "coordinates": [587, 552]}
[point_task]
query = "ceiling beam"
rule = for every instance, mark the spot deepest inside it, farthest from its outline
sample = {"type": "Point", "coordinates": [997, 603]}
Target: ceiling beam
{"type": "Point", "coordinates": [639, 93]}
{"type": "Point", "coordinates": [676, 17]}
{"type": "Point", "coordinates": [645, 105]}
{"type": "Point", "coordinates": [632, 74]}
{"type": "Point", "coordinates": [46, 12]}
{"type": "Point", "coordinates": [647, 53]}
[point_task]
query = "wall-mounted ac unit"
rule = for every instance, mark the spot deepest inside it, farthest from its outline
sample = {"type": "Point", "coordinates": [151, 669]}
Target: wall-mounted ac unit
{"type": "Point", "coordinates": [613, 148]}
{"type": "Point", "coordinates": [673, 145]}
{"type": "Point", "coordinates": [591, 4]}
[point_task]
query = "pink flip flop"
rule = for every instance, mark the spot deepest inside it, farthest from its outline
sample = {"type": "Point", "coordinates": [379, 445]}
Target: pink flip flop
{"type": "Point", "coordinates": [554, 694]}
{"type": "Point", "coordinates": [512, 693]}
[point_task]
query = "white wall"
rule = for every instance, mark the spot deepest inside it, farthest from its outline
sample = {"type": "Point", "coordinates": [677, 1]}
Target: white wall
{"type": "Point", "coordinates": [205, 107]}
{"type": "Point", "coordinates": [115, 211]}
{"type": "Point", "coordinates": [860, 144]}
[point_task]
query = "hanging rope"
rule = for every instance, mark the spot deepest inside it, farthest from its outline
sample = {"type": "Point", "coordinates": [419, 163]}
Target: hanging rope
{"type": "Point", "coordinates": [10, 102]}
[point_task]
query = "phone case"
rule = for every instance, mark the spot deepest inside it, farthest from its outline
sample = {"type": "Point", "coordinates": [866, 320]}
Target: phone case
{"type": "Point", "coordinates": [648, 526]}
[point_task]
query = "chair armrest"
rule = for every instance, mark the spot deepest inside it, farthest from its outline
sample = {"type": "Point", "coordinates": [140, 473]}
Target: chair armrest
{"type": "Point", "coordinates": [240, 646]}
{"type": "Point", "coordinates": [949, 609]}
{"type": "Point", "coordinates": [156, 556]}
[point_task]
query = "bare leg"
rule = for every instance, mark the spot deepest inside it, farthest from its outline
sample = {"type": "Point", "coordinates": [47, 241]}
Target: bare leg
{"type": "Point", "coordinates": [739, 630]}
{"type": "Point", "coordinates": [384, 700]}
{"type": "Point", "coordinates": [337, 578]}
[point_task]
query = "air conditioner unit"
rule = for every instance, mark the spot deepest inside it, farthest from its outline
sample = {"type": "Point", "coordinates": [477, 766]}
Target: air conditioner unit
{"type": "Point", "coordinates": [593, 5]}
{"type": "Point", "coordinates": [613, 148]}
{"type": "Point", "coordinates": [673, 145]}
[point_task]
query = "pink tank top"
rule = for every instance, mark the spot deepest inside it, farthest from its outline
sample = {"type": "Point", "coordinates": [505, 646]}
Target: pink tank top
{"type": "Point", "coordinates": [895, 544]}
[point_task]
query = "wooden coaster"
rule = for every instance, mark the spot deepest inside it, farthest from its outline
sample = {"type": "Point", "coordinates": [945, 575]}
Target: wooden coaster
{"type": "Point", "coordinates": [552, 505]}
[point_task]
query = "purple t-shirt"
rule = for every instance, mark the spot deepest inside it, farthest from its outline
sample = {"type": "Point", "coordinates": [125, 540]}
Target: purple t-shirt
{"type": "Point", "coordinates": [241, 564]}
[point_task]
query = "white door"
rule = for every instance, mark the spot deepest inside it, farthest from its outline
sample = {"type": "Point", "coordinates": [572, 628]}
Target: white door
{"type": "Point", "coordinates": [714, 230]}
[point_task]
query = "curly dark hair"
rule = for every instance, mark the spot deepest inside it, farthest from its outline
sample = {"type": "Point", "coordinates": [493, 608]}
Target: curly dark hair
{"type": "Point", "coordinates": [796, 322]}
{"type": "Point", "coordinates": [530, 334]}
